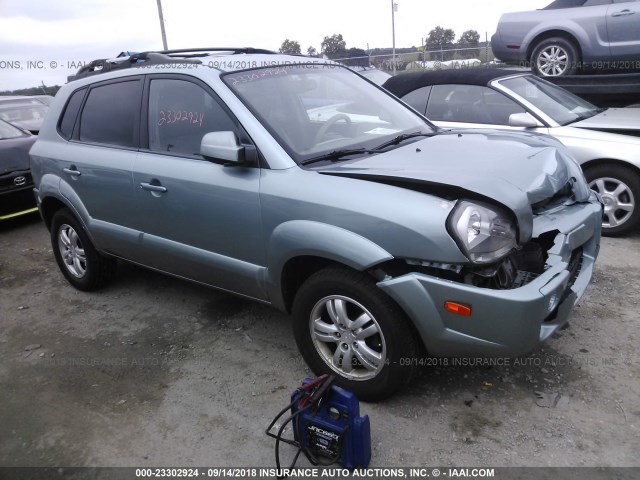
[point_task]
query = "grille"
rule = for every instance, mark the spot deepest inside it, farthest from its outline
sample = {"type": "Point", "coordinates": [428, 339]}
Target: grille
{"type": "Point", "coordinates": [6, 181]}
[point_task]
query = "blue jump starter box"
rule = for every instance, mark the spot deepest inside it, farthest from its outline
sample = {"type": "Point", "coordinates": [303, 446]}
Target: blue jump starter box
{"type": "Point", "coordinates": [334, 431]}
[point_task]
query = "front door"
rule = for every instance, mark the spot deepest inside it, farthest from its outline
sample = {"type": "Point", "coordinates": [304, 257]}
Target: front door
{"type": "Point", "coordinates": [200, 219]}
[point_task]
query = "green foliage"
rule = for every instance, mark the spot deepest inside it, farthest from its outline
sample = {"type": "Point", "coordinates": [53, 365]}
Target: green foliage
{"type": "Point", "coordinates": [334, 46]}
{"type": "Point", "coordinates": [469, 39]}
{"type": "Point", "coordinates": [357, 57]}
{"type": "Point", "coordinates": [290, 47]}
{"type": "Point", "coordinates": [441, 39]}
{"type": "Point", "coordinates": [312, 52]}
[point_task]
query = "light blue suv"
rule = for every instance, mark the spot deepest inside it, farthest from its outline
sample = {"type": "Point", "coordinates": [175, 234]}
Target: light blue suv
{"type": "Point", "coordinates": [298, 183]}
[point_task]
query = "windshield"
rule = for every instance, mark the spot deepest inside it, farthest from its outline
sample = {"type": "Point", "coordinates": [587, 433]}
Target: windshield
{"type": "Point", "coordinates": [376, 76]}
{"type": "Point", "coordinates": [313, 109]}
{"type": "Point", "coordinates": [559, 104]}
{"type": "Point", "coordinates": [21, 113]}
{"type": "Point", "coordinates": [9, 131]}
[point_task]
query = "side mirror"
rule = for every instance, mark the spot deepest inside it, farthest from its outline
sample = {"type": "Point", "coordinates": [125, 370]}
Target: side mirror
{"type": "Point", "coordinates": [224, 146]}
{"type": "Point", "coordinates": [525, 120]}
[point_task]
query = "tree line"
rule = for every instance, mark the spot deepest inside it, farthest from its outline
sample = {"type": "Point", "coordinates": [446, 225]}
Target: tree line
{"type": "Point", "coordinates": [440, 44]}
{"type": "Point", "coordinates": [50, 90]}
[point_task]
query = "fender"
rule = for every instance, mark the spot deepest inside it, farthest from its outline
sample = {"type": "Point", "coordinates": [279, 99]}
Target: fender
{"type": "Point", "coordinates": [52, 186]}
{"type": "Point", "coordinates": [308, 238]}
{"type": "Point", "coordinates": [71, 198]}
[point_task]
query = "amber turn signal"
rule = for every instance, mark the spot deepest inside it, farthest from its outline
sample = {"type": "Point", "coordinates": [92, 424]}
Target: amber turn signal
{"type": "Point", "coordinates": [457, 308]}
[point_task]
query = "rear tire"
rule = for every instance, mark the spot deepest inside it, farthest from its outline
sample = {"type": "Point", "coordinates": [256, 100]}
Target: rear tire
{"type": "Point", "coordinates": [554, 57]}
{"type": "Point", "coordinates": [346, 326]}
{"type": "Point", "coordinates": [77, 258]}
{"type": "Point", "coordinates": [619, 187]}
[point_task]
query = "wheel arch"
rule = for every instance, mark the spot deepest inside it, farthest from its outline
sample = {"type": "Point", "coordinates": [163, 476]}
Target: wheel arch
{"type": "Point", "coordinates": [48, 208]}
{"type": "Point", "coordinates": [610, 161]}
{"type": "Point", "coordinates": [542, 36]}
{"type": "Point", "coordinates": [299, 248]}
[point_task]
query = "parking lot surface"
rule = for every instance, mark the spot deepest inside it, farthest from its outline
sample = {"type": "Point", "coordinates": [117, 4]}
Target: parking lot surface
{"type": "Point", "coordinates": [153, 371]}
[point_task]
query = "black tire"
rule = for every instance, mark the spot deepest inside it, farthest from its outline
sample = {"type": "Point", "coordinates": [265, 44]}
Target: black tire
{"type": "Point", "coordinates": [604, 179]}
{"type": "Point", "coordinates": [396, 344]}
{"type": "Point", "coordinates": [562, 50]}
{"type": "Point", "coordinates": [85, 272]}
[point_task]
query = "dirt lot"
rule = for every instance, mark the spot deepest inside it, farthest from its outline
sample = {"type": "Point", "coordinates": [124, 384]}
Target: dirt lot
{"type": "Point", "coordinates": [156, 372]}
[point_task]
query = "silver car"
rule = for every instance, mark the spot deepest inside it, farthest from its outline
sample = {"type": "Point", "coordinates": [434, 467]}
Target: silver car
{"type": "Point", "coordinates": [568, 35]}
{"type": "Point", "coordinates": [297, 183]}
{"type": "Point", "coordinates": [606, 142]}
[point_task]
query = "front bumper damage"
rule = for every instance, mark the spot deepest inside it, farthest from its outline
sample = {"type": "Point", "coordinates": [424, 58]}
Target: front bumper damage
{"type": "Point", "coordinates": [507, 322]}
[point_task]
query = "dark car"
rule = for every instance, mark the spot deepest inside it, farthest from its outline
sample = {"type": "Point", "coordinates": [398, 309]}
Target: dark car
{"type": "Point", "coordinates": [16, 185]}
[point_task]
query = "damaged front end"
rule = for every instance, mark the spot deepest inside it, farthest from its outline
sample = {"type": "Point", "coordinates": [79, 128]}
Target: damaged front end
{"type": "Point", "coordinates": [516, 294]}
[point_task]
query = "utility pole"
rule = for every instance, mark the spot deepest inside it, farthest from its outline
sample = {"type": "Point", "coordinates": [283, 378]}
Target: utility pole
{"type": "Point", "coordinates": [394, 7]}
{"type": "Point", "coordinates": [164, 35]}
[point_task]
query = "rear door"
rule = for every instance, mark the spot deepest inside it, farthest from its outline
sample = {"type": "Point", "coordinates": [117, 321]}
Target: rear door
{"type": "Point", "coordinates": [200, 219]}
{"type": "Point", "coordinates": [101, 124]}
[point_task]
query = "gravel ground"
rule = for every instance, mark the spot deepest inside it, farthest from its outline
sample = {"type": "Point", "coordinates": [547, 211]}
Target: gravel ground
{"type": "Point", "coordinates": [152, 371]}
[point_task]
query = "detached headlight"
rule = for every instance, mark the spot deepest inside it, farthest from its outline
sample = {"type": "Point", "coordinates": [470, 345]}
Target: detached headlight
{"type": "Point", "coordinates": [484, 233]}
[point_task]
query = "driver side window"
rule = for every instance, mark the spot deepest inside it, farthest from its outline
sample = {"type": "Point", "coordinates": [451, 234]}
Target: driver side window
{"type": "Point", "coordinates": [470, 104]}
{"type": "Point", "coordinates": [180, 114]}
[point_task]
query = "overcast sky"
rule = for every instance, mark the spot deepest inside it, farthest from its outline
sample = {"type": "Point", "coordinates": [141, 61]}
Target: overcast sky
{"type": "Point", "coordinates": [53, 33]}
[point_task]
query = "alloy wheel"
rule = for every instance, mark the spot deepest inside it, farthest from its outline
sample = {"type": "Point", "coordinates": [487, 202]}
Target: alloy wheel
{"type": "Point", "coordinates": [619, 202]}
{"type": "Point", "coordinates": [72, 251]}
{"type": "Point", "coordinates": [553, 61]}
{"type": "Point", "coordinates": [347, 337]}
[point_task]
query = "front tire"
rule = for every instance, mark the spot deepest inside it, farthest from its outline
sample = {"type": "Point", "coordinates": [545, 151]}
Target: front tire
{"type": "Point", "coordinates": [346, 326]}
{"type": "Point", "coordinates": [554, 57]}
{"type": "Point", "coordinates": [77, 258]}
{"type": "Point", "coordinates": [619, 187]}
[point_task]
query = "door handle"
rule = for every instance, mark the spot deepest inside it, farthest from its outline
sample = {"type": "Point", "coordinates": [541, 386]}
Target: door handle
{"type": "Point", "coordinates": [622, 13]}
{"type": "Point", "coordinates": [153, 188]}
{"type": "Point", "coordinates": [72, 171]}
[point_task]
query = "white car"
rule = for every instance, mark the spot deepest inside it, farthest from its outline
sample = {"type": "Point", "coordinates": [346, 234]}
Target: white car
{"type": "Point", "coordinates": [606, 142]}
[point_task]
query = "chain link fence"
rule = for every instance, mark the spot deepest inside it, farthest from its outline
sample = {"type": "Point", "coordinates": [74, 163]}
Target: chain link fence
{"type": "Point", "coordinates": [441, 59]}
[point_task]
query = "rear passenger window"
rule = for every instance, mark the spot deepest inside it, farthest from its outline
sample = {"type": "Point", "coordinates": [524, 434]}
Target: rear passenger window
{"type": "Point", "coordinates": [71, 113]}
{"type": "Point", "coordinates": [111, 114]}
{"type": "Point", "coordinates": [180, 113]}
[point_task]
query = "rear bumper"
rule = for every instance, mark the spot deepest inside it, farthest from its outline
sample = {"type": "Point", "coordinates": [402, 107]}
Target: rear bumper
{"type": "Point", "coordinates": [513, 56]}
{"type": "Point", "coordinates": [506, 322]}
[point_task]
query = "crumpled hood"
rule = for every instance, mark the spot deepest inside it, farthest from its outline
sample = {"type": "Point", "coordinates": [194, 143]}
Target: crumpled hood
{"type": "Point", "coordinates": [516, 170]}
{"type": "Point", "coordinates": [613, 119]}
{"type": "Point", "coordinates": [14, 154]}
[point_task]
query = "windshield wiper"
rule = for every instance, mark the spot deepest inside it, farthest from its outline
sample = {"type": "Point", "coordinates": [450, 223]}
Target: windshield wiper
{"type": "Point", "coordinates": [402, 138]}
{"type": "Point", "coordinates": [336, 155]}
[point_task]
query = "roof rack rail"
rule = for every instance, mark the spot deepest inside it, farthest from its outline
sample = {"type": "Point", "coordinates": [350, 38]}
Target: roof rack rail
{"type": "Point", "coordinates": [203, 51]}
{"type": "Point", "coordinates": [187, 55]}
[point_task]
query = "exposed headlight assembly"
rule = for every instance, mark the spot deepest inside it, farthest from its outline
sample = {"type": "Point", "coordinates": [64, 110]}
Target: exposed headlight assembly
{"type": "Point", "coordinates": [483, 232]}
